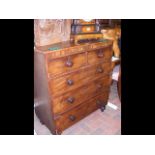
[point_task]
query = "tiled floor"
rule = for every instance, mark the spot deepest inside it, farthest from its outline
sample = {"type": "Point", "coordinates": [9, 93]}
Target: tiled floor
{"type": "Point", "coordinates": [97, 123]}
{"type": "Point", "coordinates": [100, 123]}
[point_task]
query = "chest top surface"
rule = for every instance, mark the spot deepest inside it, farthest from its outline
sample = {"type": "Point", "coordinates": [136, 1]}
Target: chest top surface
{"type": "Point", "coordinates": [67, 45]}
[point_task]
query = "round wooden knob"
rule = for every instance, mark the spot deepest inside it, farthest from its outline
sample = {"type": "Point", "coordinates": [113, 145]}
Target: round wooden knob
{"type": "Point", "coordinates": [99, 86]}
{"type": "Point", "coordinates": [69, 63]}
{"type": "Point", "coordinates": [70, 100]}
{"type": "Point", "coordinates": [99, 70]}
{"type": "Point", "coordinates": [70, 82]}
{"type": "Point", "coordinates": [72, 117]}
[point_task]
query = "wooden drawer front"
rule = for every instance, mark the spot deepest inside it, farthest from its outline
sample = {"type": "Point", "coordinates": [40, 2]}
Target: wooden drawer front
{"type": "Point", "coordinates": [73, 116]}
{"type": "Point", "coordinates": [97, 102]}
{"type": "Point", "coordinates": [76, 97]}
{"type": "Point", "coordinates": [66, 64]}
{"type": "Point", "coordinates": [73, 81]}
{"type": "Point", "coordinates": [100, 55]}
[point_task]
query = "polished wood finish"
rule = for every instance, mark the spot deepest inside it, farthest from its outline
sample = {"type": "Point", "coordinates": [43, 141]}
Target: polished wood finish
{"type": "Point", "coordinates": [66, 64]}
{"type": "Point", "coordinates": [71, 81]}
{"type": "Point", "coordinates": [74, 115]}
{"type": "Point", "coordinates": [82, 21]}
{"type": "Point", "coordinates": [85, 29]}
{"type": "Point", "coordinates": [100, 55]}
{"type": "Point", "coordinates": [78, 37]}
{"type": "Point", "coordinates": [73, 98]}
{"type": "Point", "coordinates": [78, 78]}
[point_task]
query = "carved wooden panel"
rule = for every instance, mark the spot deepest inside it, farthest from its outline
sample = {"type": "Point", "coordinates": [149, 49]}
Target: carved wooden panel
{"type": "Point", "coordinates": [49, 31]}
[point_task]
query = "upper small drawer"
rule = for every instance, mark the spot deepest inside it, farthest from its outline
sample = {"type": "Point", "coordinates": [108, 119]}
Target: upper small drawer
{"type": "Point", "coordinates": [99, 55]}
{"type": "Point", "coordinates": [66, 64]}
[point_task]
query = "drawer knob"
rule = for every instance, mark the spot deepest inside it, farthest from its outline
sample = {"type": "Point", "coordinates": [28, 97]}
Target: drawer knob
{"type": "Point", "coordinates": [100, 70]}
{"type": "Point", "coordinates": [72, 117]}
{"type": "Point", "coordinates": [70, 100]}
{"type": "Point", "coordinates": [99, 86]}
{"type": "Point", "coordinates": [70, 82]}
{"type": "Point", "coordinates": [69, 63]}
{"type": "Point", "coordinates": [100, 53]}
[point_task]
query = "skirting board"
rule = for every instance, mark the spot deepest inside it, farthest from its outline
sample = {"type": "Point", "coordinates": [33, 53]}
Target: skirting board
{"type": "Point", "coordinates": [111, 105]}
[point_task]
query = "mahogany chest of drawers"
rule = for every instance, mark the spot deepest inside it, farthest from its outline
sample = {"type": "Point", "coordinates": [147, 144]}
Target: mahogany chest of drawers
{"type": "Point", "coordinates": [71, 81]}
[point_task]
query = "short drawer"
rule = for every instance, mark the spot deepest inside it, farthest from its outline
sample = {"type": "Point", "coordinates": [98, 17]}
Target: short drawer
{"type": "Point", "coordinates": [72, 81]}
{"type": "Point", "coordinates": [100, 55]}
{"type": "Point", "coordinates": [69, 118]}
{"type": "Point", "coordinates": [65, 64]}
{"type": "Point", "coordinates": [78, 96]}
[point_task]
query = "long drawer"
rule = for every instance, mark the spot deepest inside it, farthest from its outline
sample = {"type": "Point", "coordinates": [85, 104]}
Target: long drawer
{"type": "Point", "coordinates": [78, 96]}
{"type": "Point", "coordinates": [72, 81]}
{"type": "Point", "coordinates": [69, 118]}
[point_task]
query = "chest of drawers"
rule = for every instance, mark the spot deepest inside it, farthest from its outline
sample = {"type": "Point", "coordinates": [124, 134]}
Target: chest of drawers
{"type": "Point", "coordinates": [71, 82]}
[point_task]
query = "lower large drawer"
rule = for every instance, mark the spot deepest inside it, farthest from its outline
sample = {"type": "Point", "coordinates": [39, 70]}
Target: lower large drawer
{"type": "Point", "coordinates": [73, 98]}
{"type": "Point", "coordinates": [69, 118]}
